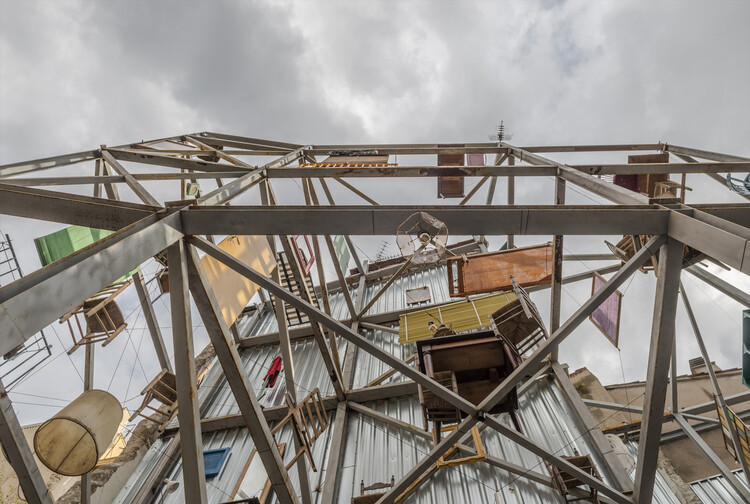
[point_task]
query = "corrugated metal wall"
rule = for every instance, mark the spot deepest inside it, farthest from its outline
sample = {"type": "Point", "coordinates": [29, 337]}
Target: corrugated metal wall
{"type": "Point", "coordinates": [373, 451]}
{"type": "Point", "coordinates": [716, 490]}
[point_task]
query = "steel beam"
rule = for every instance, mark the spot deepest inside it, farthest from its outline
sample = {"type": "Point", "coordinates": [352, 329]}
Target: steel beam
{"type": "Point", "coordinates": [704, 154]}
{"type": "Point", "coordinates": [33, 302]}
{"type": "Point", "coordinates": [487, 171]}
{"type": "Point", "coordinates": [662, 337]}
{"type": "Point", "coordinates": [19, 454]}
{"type": "Point", "coordinates": [188, 415]}
{"type": "Point", "coordinates": [588, 425]}
{"type": "Point", "coordinates": [730, 478]}
{"type": "Point", "coordinates": [88, 384]}
{"type": "Point", "coordinates": [466, 220]}
{"type": "Point", "coordinates": [348, 334]}
{"type": "Point", "coordinates": [528, 367]}
{"type": "Point", "coordinates": [606, 190]}
{"type": "Point", "coordinates": [70, 208]}
{"type": "Point", "coordinates": [721, 239]}
{"type": "Point", "coordinates": [22, 167]}
{"type": "Point", "coordinates": [722, 286]}
{"type": "Point", "coordinates": [154, 158]}
{"type": "Point", "coordinates": [151, 321]}
{"type": "Point", "coordinates": [557, 266]}
{"type": "Point", "coordinates": [242, 390]}
{"type": "Point", "coordinates": [556, 460]}
{"type": "Point", "coordinates": [393, 316]}
{"type": "Point", "coordinates": [134, 185]}
{"type": "Point", "coordinates": [712, 377]}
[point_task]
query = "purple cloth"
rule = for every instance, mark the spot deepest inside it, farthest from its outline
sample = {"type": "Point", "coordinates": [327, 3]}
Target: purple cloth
{"type": "Point", "coordinates": [607, 316]}
{"type": "Point", "coordinates": [475, 160]}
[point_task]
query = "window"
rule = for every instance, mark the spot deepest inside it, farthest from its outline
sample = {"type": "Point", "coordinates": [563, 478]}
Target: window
{"type": "Point", "coordinates": [418, 296]}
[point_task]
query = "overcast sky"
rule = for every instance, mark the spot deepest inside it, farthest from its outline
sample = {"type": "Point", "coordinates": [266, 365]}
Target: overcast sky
{"type": "Point", "coordinates": [77, 74]}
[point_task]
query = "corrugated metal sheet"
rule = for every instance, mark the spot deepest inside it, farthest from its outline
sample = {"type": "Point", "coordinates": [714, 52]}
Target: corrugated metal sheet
{"type": "Point", "coordinates": [716, 490]}
{"type": "Point", "coordinates": [373, 451]}
{"type": "Point", "coordinates": [393, 299]}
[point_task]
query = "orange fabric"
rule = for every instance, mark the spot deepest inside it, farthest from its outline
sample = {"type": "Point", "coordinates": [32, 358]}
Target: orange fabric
{"type": "Point", "coordinates": [491, 272]}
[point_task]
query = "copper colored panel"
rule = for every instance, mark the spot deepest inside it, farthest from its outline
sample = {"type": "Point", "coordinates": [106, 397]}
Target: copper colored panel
{"type": "Point", "coordinates": [491, 272]}
{"type": "Point", "coordinates": [647, 182]}
{"type": "Point", "coordinates": [450, 159]}
{"type": "Point", "coordinates": [450, 187]}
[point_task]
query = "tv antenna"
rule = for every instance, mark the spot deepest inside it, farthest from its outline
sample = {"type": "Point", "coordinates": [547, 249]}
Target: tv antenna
{"type": "Point", "coordinates": [501, 134]}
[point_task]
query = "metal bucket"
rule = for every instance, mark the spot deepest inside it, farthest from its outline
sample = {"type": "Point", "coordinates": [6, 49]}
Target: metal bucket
{"type": "Point", "coordinates": [72, 441]}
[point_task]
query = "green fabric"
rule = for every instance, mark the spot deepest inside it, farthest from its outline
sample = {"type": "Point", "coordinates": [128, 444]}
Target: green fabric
{"type": "Point", "coordinates": [60, 244]}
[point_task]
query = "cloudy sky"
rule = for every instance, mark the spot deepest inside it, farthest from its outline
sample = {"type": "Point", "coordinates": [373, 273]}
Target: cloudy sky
{"type": "Point", "coordinates": [77, 74]}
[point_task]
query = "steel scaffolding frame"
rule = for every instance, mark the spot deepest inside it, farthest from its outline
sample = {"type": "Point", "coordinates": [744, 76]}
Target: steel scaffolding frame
{"type": "Point", "coordinates": [146, 228]}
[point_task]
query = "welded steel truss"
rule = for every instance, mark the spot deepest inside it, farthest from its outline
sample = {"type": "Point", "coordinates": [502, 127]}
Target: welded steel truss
{"type": "Point", "coordinates": [149, 227]}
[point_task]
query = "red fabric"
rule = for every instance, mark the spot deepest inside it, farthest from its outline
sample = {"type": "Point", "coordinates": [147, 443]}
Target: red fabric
{"type": "Point", "coordinates": [273, 372]}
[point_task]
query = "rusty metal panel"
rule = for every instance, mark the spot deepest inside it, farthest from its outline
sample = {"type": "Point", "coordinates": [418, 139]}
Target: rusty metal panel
{"type": "Point", "coordinates": [491, 272]}
{"type": "Point", "coordinates": [452, 186]}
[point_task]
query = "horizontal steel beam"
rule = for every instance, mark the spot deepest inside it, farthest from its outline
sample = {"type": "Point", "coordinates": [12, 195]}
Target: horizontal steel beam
{"type": "Point", "coordinates": [154, 158]}
{"type": "Point", "coordinates": [276, 413]}
{"type": "Point", "coordinates": [117, 179]}
{"type": "Point", "coordinates": [70, 208]}
{"type": "Point", "coordinates": [542, 170]}
{"type": "Point", "coordinates": [721, 239]}
{"type": "Point", "coordinates": [49, 162]}
{"type": "Point", "coordinates": [466, 220]}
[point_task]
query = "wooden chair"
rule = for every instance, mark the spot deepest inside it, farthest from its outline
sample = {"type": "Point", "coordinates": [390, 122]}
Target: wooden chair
{"type": "Point", "coordinates": [372, 498]}
{"type": "Point", "coordinates": [163, 389]}
{"type": "Point", "coordinates": [519, 323]}
{"type": "Point", "coordinates": [103, 318]}
{"type": "Point", "coordinates": [309, 420]}
{"type": "Point", "coordinates": [565, 482]}
{"type": "Point", "coordinates": [627, 247]}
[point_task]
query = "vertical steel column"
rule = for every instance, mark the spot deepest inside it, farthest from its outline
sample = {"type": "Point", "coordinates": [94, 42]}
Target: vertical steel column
{"type": "Point", "coordinates": [511, 196]}
{"type": "Point", "coordinates": [557, 264]}
{"type": "Point", "coordinates": [19, 454]}
{"type": "Point", "coordinates": [151, 321]}
{"type": "Point", "coordinates": [662, 336]}
{"type": "Point", "coordinates": [88, 383]}
{"type": "Point", "coordinates": [287, 359]}
{"type": "Point", "coordinates": [338, 438]}
{"type": "Point", "coordinates": [193, 471]}
{"type": "Point", "coordinates": [231, 365]}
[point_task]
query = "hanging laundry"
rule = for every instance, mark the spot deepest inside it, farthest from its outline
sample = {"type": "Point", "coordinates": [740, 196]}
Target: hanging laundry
{"type": "Point", "coordinates": [270, 379]}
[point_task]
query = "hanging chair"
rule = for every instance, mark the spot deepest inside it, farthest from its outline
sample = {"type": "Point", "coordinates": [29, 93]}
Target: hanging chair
{"type": "Point", "coordinates": [738, 185]}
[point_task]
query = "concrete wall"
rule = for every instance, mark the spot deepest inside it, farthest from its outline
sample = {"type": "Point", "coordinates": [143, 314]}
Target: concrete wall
{"type": "Point", "coordinates": [688, 461]}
